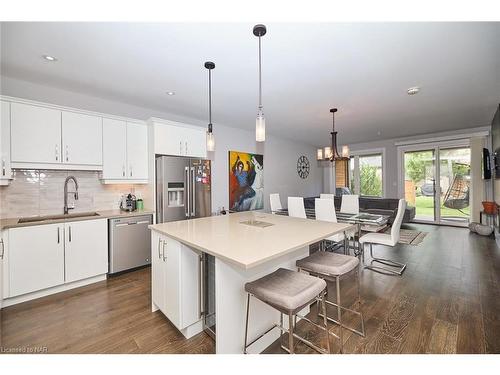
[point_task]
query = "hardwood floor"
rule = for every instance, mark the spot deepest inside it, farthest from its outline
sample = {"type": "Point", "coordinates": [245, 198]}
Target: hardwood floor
{"type": "Point", "coordinates": [448, 301]}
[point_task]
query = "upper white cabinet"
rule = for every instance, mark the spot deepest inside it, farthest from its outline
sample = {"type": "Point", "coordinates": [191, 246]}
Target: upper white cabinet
{"type": "Point", "coordinates": [137, 151]}
{"type": "Point", "coordinates": [35, 134]}
{"type": "Point", "coordinates": [82, 139]}
{"type": "Point", "coordinates": [173, 138]}
{"type": "Point", "coordinates": [125, 157]}
{"type": "Point", "coordinates": [5, 170]}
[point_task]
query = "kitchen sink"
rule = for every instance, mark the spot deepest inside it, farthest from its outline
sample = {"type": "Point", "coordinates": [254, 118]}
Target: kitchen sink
{"type": "Point", "coordinates": [34, 219]}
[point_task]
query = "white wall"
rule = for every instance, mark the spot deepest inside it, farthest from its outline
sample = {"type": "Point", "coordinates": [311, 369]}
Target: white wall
{"type": "Point", "coordinates": [280, 155]}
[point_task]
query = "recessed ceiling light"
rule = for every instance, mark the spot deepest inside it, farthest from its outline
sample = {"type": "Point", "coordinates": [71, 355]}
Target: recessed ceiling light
{"type": "Point", "coordinates": [413, 90]}
{"type": "Point", "coordinates": [171, 93]}
{"type": "Point", "coordinates": [49, 58]}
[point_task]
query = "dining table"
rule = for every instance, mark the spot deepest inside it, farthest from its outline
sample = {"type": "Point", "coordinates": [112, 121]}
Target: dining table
{"type": "Point", "coordinates": [364, 222]}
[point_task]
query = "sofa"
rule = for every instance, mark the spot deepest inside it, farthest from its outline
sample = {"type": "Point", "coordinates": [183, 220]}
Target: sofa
{"type": "Point", "coordinates": [373, 205]}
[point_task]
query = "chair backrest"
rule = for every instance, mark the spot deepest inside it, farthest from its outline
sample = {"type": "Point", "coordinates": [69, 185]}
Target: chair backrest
{"type": "Point", "coordinates": [350, 204]}
{"type": "Point", "coordinates": [325, 210]}
{"type": "Point", "coordinates": [275, 202]}
{"type": "Point", "coordinates": [296, 207]}
{"type": "Point", "coordinates": [327, 196]}
{"type": "Point", "coordinates": [396, 225]}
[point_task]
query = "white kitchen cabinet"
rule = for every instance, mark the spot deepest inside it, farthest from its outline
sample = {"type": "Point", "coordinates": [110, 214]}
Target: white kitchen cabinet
{"type": "Point", "coordinates": [125, 158]}
{"type": "Point", "coordinates": [85, 249]}
{"type": "Point", "coordinates": [35, 257]}
{"type": "Point", "coordinates": [35, 134]}
{"type": "Point", "coordinates": [137, 151]}
{"type": "Point", "coordinates": [173, 138]}
{"type": "Point", "coordinates": [2, 255]}
{"type": "Point", "coordinates": [5, 169]}
{"type": "Point", "coordinates": [114, 144]}
{"type": "Point", "coordinates": [82, 139]}
{"type": "Point", "coordinates": [176, 281]}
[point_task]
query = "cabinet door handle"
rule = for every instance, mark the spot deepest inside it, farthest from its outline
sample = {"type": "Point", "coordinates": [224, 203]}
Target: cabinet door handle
{"type": "Point", "coordinates": [3, 249]}
{"type": "Point", "coordinates": [159, 248]}
{"type": "Point", "coordinates": [180, 147]}
{"type": "Point", "coordinates": [3, 167]}
{"type": "Point", "coordinates": [57, 152]}
{"type": "Point", "coordinates": [67, 153]}
{"type": "Point", "coordinates": [186, 147]}
{"type": "Point", "coordinates": [69, 233]}
{"type": "Point", "coordinates": [130, 171]}
{"type": "Point", "coordinates": [164, 256]}
{"type": "Point", "coordinates": [58, 235]}
{"type": "Point", "coordinates": [123, 170]}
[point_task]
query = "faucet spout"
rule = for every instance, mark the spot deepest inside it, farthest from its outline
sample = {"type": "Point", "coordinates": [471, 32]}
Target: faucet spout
{"type": "Point", "coordinates": [75, 193]}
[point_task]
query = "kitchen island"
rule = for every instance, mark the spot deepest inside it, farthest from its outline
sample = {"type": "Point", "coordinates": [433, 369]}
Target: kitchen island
{"type": "Point", "coordinates": [245, 246]}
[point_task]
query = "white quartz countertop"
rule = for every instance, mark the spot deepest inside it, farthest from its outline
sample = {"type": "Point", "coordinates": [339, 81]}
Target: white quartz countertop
{"type": "Point", "coordinates": [247, 246]}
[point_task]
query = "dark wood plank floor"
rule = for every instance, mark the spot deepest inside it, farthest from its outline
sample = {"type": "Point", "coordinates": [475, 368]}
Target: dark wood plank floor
{"type": "Point", "coordinates": [448, 301]}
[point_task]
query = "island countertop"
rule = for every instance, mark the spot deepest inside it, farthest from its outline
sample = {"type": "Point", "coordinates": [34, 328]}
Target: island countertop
{"type": "Point", "coordinates": [227, 236]}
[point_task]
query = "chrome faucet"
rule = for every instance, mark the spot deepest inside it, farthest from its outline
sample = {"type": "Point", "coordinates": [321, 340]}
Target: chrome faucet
{"type": "Point", "coordinates": [66, 192]}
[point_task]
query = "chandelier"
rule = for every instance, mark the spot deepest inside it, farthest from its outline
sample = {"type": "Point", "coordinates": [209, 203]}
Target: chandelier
{"type": "Point", "coordinates": [332, 152]}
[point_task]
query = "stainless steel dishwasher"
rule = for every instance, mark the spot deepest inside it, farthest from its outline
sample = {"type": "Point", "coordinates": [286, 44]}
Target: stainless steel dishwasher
{"type": "Point", "coordinates": [129, 243]}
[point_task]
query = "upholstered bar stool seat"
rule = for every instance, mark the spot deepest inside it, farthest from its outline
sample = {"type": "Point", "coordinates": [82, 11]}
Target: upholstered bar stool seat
{"type": "Point", "coordinates": [285, 290]}
{"type": "Point", "coordinates": [328, 263]}
{"type": "Point", "coordinates": [332, 266]}
{"type": "Point", "coordinates": [288, 292]}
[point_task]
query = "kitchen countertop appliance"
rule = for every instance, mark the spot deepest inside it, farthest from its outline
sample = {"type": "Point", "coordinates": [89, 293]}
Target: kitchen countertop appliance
{"type": "Point", "coordinates": [129, 243]}
{"type": "Point", "coordinates": [128, 203]}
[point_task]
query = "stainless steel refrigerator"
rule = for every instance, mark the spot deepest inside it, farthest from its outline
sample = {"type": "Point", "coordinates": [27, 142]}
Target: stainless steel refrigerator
{"type": "Point", "coordinates": [183, 191]}
{"type": "Point", "coordinates": [183, 188]}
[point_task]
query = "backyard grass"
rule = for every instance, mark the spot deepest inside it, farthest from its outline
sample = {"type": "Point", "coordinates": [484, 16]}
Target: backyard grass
{"type": "Point", "coordinates": [425, 207]}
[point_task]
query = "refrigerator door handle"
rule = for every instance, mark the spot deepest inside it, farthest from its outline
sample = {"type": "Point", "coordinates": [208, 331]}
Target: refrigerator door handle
{"type": "Point", "coordinates": [187, 192]}
{"type": "Point", "coordinates": [193, 192]}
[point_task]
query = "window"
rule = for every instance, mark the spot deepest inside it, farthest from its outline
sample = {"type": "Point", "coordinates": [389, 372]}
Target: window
{"type": "Point", "coordinates": [367, 174]}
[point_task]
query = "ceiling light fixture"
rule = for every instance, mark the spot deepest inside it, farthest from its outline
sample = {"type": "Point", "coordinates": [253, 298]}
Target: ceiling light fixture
{"type": "Point", "coordinates": [260, 122]}
{"type": "Point", "coordinates": [413, 90]}
{"type": "Point", "coordinates": [49, 58]}
{"type": "Point", "coordinates": [332, 152]}
{"type": "Point", "coordinates": [210, 135]}
{"type": "Point", "coordinates": [171, 93]}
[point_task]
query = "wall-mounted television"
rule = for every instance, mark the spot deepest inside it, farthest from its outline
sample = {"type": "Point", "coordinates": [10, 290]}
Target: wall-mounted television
{"type": "Point", "coordinates": [486, 164]}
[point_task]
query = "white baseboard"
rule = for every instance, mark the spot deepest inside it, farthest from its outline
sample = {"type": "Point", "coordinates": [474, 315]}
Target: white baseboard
{"type": "Point", "coordinates": [57, 289]}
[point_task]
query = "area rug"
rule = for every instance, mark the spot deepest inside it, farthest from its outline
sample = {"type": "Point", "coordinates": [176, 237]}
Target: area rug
{"type": "Point", "coordinates": [410, 237]}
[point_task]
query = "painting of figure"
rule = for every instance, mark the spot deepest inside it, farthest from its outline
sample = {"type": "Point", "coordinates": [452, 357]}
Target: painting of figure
{"type": "Point", "coordinates": [246, 181]}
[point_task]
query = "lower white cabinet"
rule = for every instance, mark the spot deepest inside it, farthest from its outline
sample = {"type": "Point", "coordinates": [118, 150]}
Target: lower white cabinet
{"type": "Point", "coordinates": [85, 249]}
{"type": "Point", "coordinates": [44, 256]}
{"type": "Point", "coordinates": [35, 257]}
{"type": "Point", "coordinates": [176, 281]}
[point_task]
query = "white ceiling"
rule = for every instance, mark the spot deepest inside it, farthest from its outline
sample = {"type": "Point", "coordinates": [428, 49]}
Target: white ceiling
{"type": "Point", "coordinates": [363, 69]}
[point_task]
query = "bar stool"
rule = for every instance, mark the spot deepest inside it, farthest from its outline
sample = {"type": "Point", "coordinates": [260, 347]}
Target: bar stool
{"type": "Point", "coordinates": [333, 267]}
{"type": "Point", "coordinates": [288, 292]}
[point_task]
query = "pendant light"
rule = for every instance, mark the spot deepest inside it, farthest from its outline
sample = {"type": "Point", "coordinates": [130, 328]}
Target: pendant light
{"type": "Point", "coordinates": [332, 152]}
{"type": "Point", "coordinates": [260, 122]}
{"type": "Point", "coordinates": [210, 135]}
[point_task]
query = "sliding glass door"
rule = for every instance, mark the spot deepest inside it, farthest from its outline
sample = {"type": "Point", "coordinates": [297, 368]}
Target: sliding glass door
{"type": "Point", "coordinates": [436, 181]}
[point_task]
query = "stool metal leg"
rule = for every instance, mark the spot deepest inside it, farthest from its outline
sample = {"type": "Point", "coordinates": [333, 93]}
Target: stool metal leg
{"type": "Point", "coordinates": [290, 333]}
{"type": "Point", "coordinates": [391, 263]}
{"type": "Point", "coordinates": [246, 324]}
{"type": "Point", "coordinates": [325, 322]}
{"type": "Point", "coordinates": [339, 313]}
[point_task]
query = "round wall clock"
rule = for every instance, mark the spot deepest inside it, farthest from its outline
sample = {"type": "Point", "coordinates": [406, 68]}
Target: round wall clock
{"type": "Point", "coordinates": [303, 166]}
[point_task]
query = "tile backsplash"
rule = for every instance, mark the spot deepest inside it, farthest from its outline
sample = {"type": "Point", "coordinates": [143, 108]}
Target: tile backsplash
{"type": "Point", "coordinates": [40, 192]}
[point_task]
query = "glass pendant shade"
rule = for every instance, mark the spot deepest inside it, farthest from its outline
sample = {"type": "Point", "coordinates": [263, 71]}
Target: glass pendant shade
{"type": "Point", "coordinates": [210, 141]}
{"type": "Point", "coordinates": [328, 152]}
{"type": "Point", "coordinates": [260, 128]}
{"type": "Point", "coordinates": [345, 151]}
{"type": "Point", "coordinates": [319, 154]}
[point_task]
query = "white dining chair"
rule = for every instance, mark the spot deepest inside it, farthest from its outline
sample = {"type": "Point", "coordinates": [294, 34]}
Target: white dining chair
{"type": "Point", "coordinates": [325, 211]}
{"type": "Point", "coordinates": [387, 240]}
{"type": "Point", "coordinates": [275, 202]}
{"type": "Point", "coordinates": [326, 196]}
{"type": "Point", "coordinates": [296, 207]}
{"type": "Point", "coordinates": [350, 204]}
